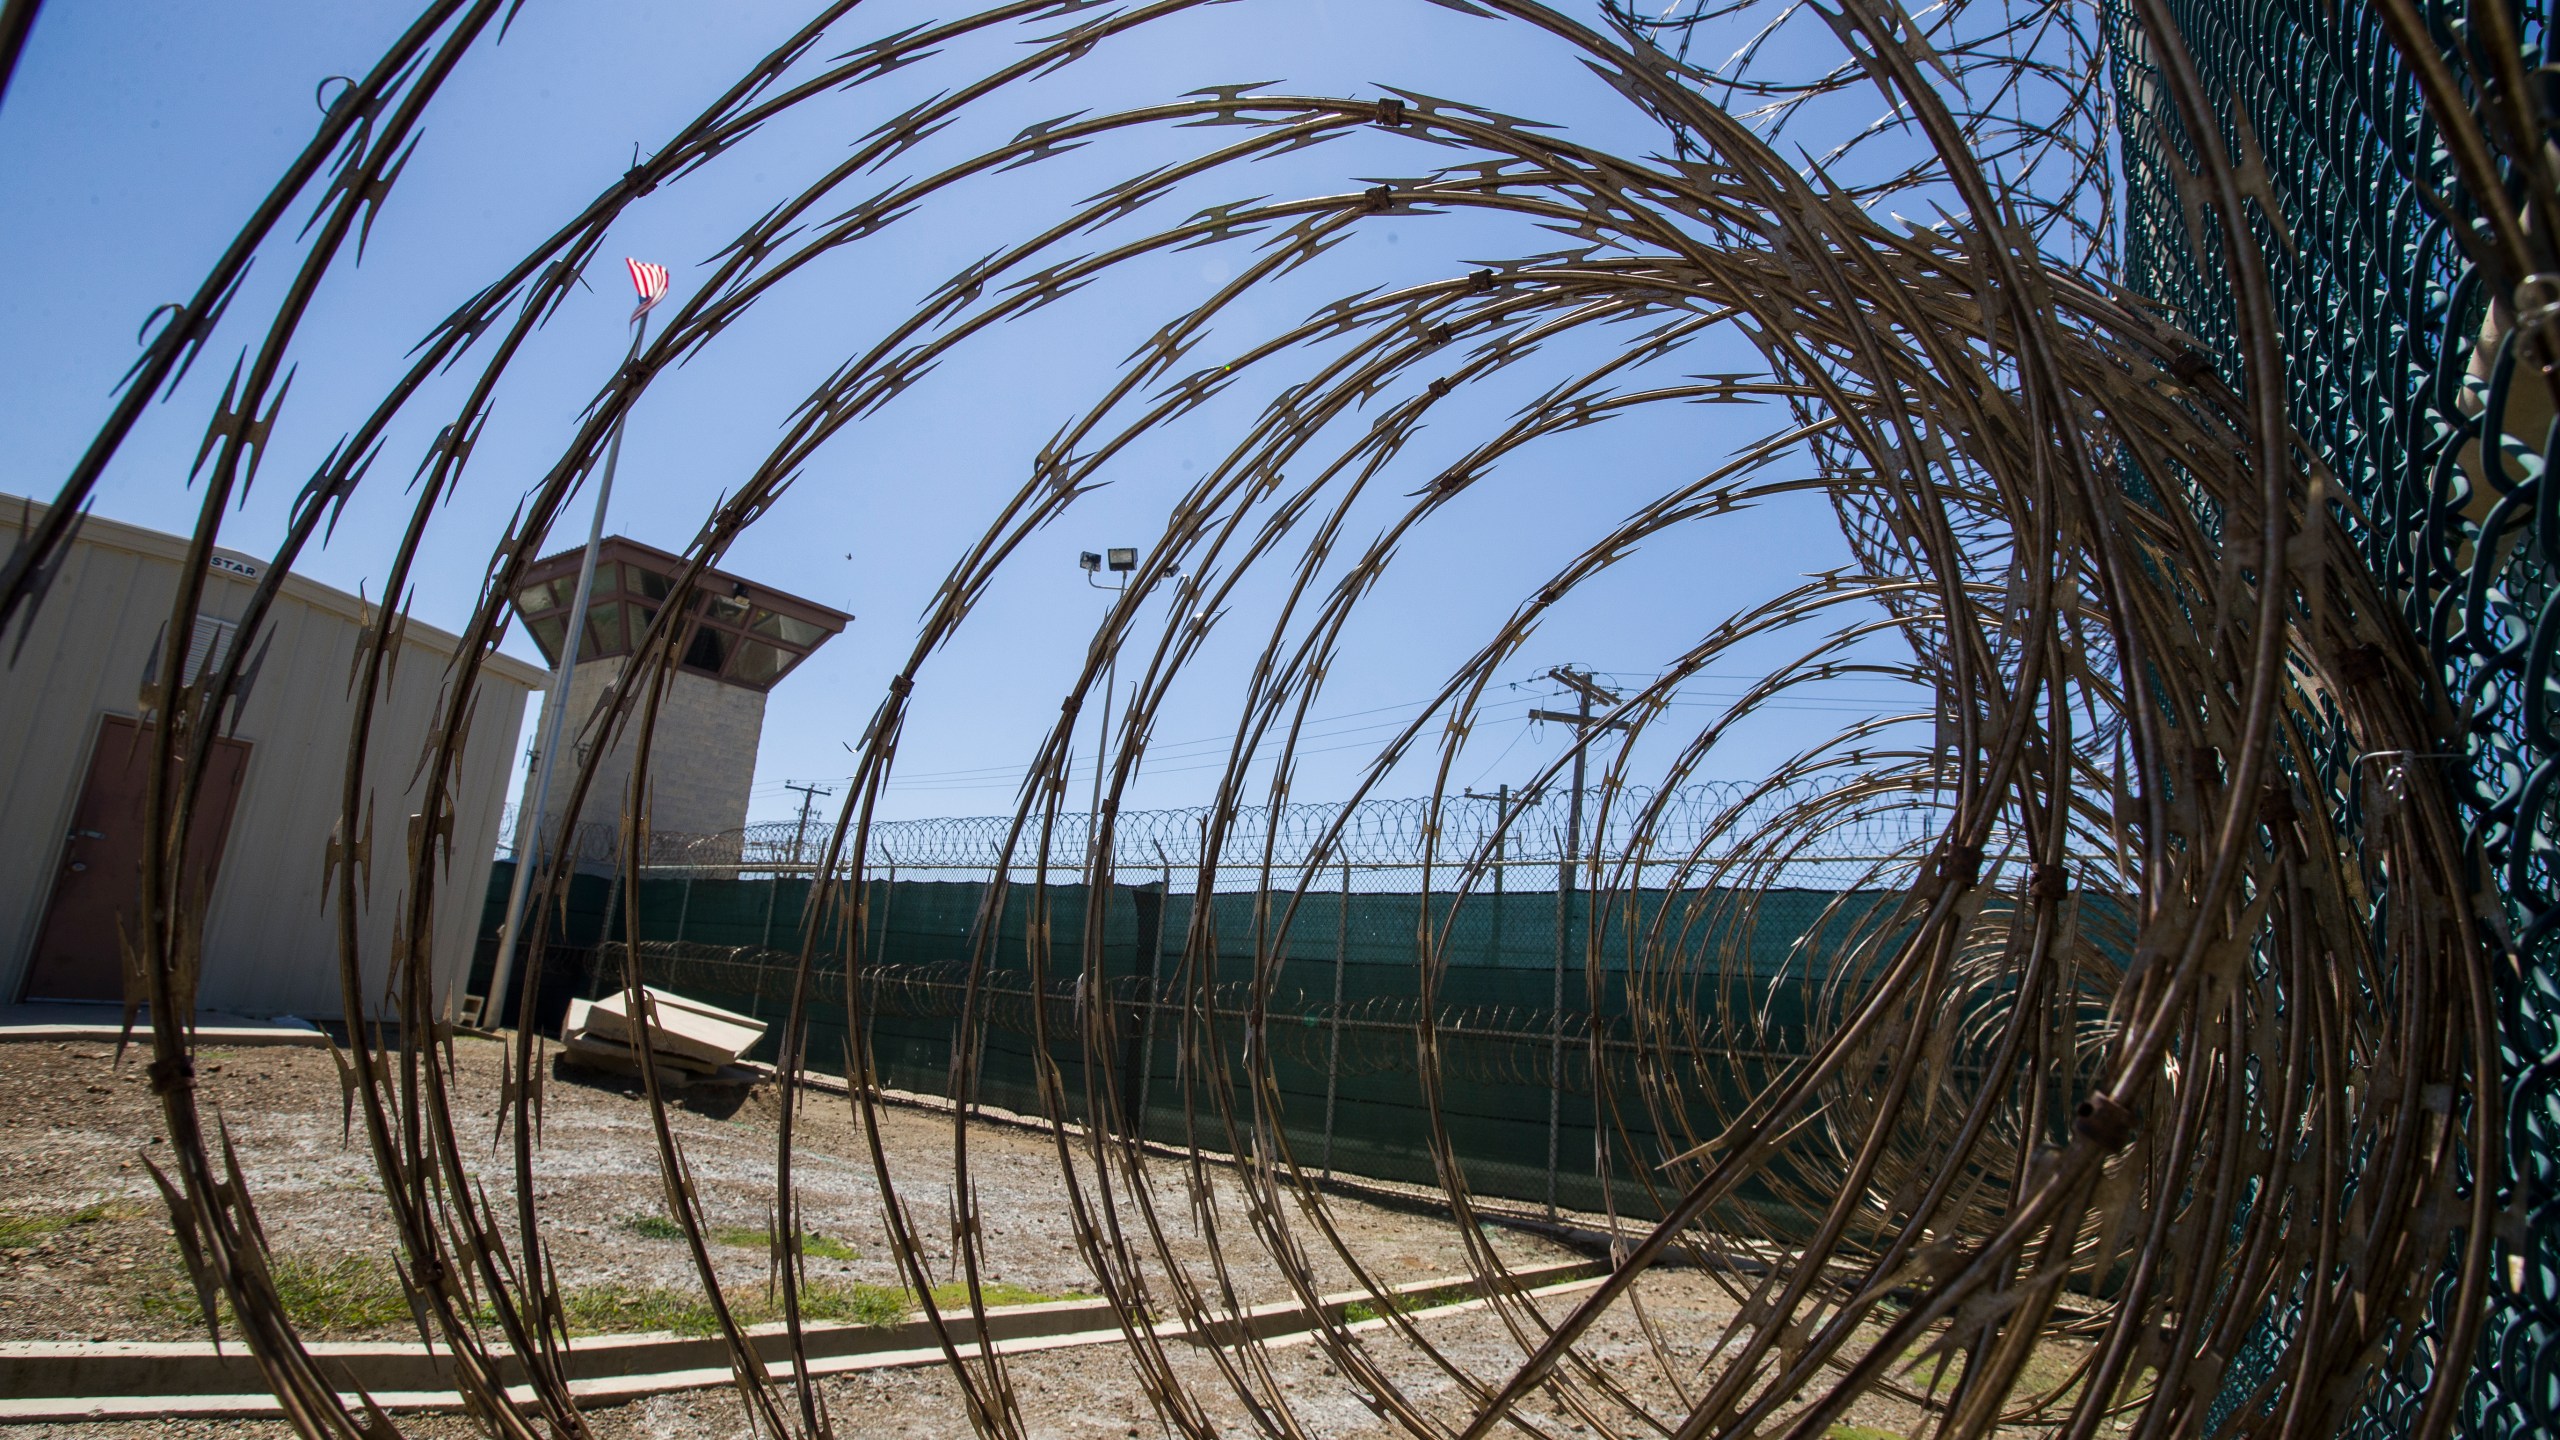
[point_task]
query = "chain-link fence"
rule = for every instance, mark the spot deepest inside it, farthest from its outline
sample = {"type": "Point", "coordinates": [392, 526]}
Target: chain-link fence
{"type": "Point", "coordinates": [2417, 406]}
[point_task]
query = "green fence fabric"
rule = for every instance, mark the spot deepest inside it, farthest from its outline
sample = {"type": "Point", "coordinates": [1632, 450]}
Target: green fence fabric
{"type": "Point", "coordinates": [1514, 1032]}
{"type": "Point", "coordinates": [2395, 390]}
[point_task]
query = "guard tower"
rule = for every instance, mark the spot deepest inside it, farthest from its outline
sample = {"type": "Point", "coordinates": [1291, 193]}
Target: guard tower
{"type": "Point", "coordinates": [745, 638]}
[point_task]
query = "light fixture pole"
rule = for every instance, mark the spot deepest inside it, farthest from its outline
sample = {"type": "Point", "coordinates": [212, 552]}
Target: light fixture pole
{"type": "Point", "coordinates": [1122, 559]}
{"type": "Point", "coordinates": [555, 704]}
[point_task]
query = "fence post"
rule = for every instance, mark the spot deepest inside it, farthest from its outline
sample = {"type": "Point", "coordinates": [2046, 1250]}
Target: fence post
{"type": "Point", "coordinates": [976, 1044]}
{"type": "Point", "coordinates": [1555, 1029]}
{"type": "Point", "coordinates": [871, 1010]}
{"type": "Point", "coordinates": [1147, 1021]}
{"type": "Point", "coordinates": [1134, 1057]}
{"type": "Point", "coordinates": [684, 903]}
{"type": "Point", "coordinates": [612, 908]}
{"type": "Point", "coordinates": [1333, 1022]}
{"type": "Point", "coordinates": [764, 948]}
{"type": "Point", "coordinates": [604, 932]}
{"type": "Point", "coordinates": [772, 889]}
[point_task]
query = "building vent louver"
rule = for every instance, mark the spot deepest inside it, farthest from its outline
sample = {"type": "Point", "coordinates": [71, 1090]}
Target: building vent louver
{"type": "Point", "coordinates": [208, 647]}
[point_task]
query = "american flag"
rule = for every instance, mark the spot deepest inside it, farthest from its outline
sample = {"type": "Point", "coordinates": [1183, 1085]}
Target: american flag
{"type": "Point", "coordinates": [650, 280]}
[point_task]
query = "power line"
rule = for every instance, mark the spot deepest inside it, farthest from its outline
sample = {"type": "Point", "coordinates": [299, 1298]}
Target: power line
{"type": "Point", "coordinates": [1173, 749]}
{"type": "Point", "coordinates": [996, 777]}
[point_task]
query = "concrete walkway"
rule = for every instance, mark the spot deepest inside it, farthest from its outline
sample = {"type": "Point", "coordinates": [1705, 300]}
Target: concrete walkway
{"type": "Point", "coordinates": [104, 1025]}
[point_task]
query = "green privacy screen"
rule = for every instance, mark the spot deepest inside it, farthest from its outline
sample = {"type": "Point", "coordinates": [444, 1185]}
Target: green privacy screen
{"type": "Point", "coordinates": [1516, 1036]}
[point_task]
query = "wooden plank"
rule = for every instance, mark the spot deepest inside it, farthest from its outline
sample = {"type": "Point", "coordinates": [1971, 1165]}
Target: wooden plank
{"type": "Point", "coordinates": [681, 1028]}
{"type": "Point", "coordinates": [689, 1027]}
{"type": "Point", "coordinates": [666, 998]}
{"type": "Point", "coordinates": [613, 1055]}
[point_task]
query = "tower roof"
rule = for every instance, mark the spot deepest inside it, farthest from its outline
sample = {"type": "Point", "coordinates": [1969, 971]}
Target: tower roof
{"type": "Point", "coordinates": [743, 633]}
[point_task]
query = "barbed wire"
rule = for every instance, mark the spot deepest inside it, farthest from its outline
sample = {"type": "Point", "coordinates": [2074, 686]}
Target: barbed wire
{"type": "Point", "coordinates": [2155, 660]}
{"type": "Point", "coordinates": [1640, 827]}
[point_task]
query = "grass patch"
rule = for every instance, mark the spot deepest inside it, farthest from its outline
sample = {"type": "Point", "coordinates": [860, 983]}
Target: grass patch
{"type": "Point", "coordinates": [741, 1237]}
{"type": "Point", "coordinates": [811, 1243]}
{"type": "Point", "coordinates": [356, 1294]}
{"type": "Point", "coordinates": [652, 1227]}
{"type": "Point", "coordinates": [1406, 1303]}
{"type": "Point", "coordinates": [344, 1294]}
{"type": "Point", "coordinates": [615, 1309]}
{"type": "Point", "coordinates": [20, 1229]}
{"type": "Point", "coordinates": [825, 1248]}
{"type": "Point", "coordinates": [612, 1308]}
{"type": "Point", "coordinates": [1932, 1374]}
{"type": "Point", "coordinates": [954, 1294]}
{"type": "Point", "coordinates": [851, 1300]}
{"type": "Point", "coordinates": [348, 1292]}
{"type": "Point", "coordinates": [1859, 1432]}
{"type": "Point", "coordinates": [172, 1301]}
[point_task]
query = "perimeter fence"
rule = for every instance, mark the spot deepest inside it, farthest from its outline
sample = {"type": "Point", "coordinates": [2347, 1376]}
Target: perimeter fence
{"type": "Point", "coordinates": [1532, 1012]}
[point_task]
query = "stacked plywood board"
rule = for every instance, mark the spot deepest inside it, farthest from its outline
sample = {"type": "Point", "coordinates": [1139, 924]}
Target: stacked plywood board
{"type": "Point", "coordinates": [686, 1041]}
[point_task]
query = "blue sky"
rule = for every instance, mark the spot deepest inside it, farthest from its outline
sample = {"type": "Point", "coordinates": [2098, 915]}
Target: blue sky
{"type": "Point", "coordinates": [137, 136]}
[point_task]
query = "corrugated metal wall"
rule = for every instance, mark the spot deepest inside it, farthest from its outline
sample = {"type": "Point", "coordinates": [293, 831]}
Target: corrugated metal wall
{"type": "Point", "coordinates": [270, 939]}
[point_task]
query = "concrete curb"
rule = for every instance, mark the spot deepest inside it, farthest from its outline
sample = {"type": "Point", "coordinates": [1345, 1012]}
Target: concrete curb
{"type": "Point", "coordinates": [62, 1381]}
{"type": "Point", "coordinates": [71, 1024]}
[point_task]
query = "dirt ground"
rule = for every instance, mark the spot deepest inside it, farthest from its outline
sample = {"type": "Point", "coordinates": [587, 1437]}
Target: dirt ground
{"type": "Point", "coordinates": [75, 1129]}
{"type": "Point", "coordinates": [85, 1252]}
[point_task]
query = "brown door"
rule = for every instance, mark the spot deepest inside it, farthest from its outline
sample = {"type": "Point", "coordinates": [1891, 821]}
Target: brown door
{"type": "Point", "coordinates": [97, 895]}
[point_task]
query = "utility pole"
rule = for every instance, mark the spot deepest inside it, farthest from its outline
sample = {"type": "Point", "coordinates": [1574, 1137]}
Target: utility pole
{"type": "Point", "coordinates": [1587, 692]}
{"type": "Point", "coordinates": [808, 796]}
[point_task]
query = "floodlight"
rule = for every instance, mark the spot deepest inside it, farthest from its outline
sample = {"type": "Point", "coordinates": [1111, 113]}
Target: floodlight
{"type": "Point", "coordinates": [1123, 559]}
{"type": "Point", "coordinates": [1089, 560]}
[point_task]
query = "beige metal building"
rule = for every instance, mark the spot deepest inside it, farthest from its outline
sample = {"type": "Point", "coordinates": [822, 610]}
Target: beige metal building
{"type": "Point", "coordinates": [70, 788]}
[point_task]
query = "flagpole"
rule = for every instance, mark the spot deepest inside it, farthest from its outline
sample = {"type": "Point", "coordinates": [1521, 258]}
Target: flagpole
{"type": "Point", "coordinates": [555, 707]}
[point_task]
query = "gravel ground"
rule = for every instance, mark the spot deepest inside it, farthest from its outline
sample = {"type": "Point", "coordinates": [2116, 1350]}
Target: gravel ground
{"type": "Point", "coordinates": [75, 1128]}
